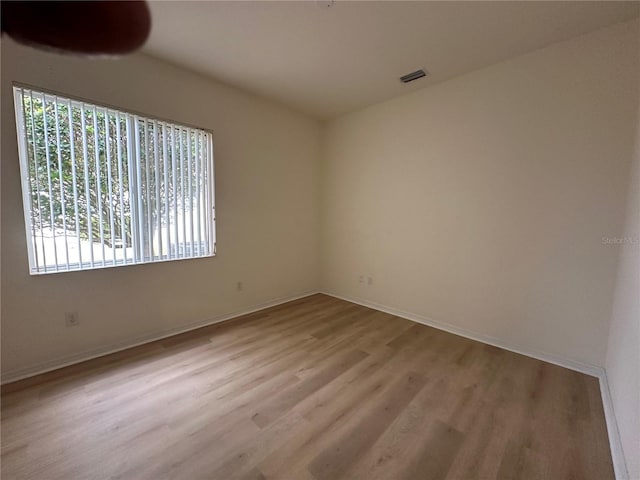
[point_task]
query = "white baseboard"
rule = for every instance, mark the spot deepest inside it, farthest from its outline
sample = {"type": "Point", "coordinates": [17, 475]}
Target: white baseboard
{"type": "Point", "coordinates": [589, 369]}
{"type": "Point", "coordinates": [617, 454]}
{"type": "Point", "coordinates": [60, 362]}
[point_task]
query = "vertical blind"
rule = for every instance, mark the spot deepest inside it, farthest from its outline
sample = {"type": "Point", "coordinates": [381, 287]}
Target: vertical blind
{"type": "Point", "coordinates": [103, 187]}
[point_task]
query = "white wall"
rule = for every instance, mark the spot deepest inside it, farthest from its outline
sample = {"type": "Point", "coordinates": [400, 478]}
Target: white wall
{"type": "Point", "coordinates": [623, 353]}
{"type": "Point", "coordinates": [267, 194]}
{"type": "Point", "coordinates": [481, 203]}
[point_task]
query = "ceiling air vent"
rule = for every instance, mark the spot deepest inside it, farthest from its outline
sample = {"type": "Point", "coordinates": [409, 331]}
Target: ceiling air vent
{"type": "Point", "coordinates": [410, 77]}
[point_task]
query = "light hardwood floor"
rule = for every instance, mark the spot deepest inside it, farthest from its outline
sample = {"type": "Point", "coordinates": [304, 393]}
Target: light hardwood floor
{"type": "Point", "coordinates": [318, 388]}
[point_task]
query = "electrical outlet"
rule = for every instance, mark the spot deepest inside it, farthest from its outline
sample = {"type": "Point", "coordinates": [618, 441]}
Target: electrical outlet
{"type": "Point", "coordinates": [239, 286]}
{"type": "Point", "coordinates": [71, 319]}
{"type": "Point", "coordinates": [361, 279]}
{"type": "Point", "coordinates": [369, 280]}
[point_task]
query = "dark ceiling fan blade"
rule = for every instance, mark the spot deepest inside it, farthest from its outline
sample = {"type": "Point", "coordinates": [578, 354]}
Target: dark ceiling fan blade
{"type": "Point", "coordinates": [79, 27]}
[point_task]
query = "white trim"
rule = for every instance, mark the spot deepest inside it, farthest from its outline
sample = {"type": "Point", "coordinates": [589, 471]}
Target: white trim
{"type": "Point", "coordinates": [617, 453]}
{"type": "Point", "coordinates": [578, 366]}
{"type": "Point", "coordinates": [65, 361]}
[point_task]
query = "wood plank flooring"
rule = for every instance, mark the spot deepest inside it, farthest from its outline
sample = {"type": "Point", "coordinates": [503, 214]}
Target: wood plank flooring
{"type": "Point", "coordinates": [315, 389]}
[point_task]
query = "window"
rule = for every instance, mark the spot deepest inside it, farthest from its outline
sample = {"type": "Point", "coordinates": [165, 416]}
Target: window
{"type": "Point", "coordinates": [102, 187]}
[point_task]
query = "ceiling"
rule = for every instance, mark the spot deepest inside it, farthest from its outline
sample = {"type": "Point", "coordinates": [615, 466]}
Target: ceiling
{"type": "Point", "coordinates": [326, 61]}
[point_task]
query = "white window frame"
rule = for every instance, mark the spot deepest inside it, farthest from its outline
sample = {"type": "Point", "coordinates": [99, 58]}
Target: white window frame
{"type": "Point", "coordinates": [196, 155]}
